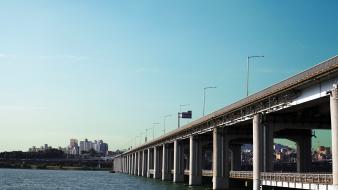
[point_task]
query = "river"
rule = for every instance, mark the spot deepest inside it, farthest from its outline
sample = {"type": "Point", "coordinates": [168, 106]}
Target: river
{"type": "Point", "coordinates": [21, 179]}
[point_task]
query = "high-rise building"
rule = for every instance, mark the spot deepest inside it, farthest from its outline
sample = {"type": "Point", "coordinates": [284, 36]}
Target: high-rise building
{"type": "Point", "coordinates": [73, 147]}
{"type": "Point", "coordinates": [98, 145]}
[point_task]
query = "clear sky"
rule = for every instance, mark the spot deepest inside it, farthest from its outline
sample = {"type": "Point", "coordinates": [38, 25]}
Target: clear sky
{"type": "Point", "coordinates": [109, 69]}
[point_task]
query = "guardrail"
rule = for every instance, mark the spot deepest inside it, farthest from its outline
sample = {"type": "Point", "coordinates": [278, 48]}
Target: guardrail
{"type": "Point", "coordinates": [315, 178]}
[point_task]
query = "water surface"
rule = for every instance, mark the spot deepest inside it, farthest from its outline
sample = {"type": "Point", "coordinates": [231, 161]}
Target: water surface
{"type": "Point", "coordinates": [20, 179]}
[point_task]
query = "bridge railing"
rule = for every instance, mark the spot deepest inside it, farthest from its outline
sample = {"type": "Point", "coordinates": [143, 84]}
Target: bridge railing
{"type": "Point", "coordinates": [316, 178]}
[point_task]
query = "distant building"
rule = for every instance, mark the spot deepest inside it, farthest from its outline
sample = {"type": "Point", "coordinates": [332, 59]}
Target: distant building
{"type": "Point", "coordinates": [73, 147]}
{"type": "Point", "coordinates": [98, 145]}
{"type": "Point", "coordinates": [42, 148]}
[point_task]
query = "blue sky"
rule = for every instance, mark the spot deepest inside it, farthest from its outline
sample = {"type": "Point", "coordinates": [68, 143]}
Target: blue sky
{"type": "Point", "coordinates": [109, 69]}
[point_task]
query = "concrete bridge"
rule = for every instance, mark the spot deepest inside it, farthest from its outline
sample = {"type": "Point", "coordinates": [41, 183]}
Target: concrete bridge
{"type": "Point", "coordinates": [290, 109]}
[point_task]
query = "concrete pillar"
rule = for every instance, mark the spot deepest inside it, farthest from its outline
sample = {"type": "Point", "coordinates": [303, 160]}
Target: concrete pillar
{"type": "Point", "coordinates": [129, 164]}
{"type": "Point", "coordinates": [220, 159]}
{"type": "Point", "coordinates": [126, 160]}
{"type": "Point", "coordinates": [165, 163]}
{"type": "Point", "coordinates": [334, 134]}
{"type": "Point", "coordinates": [139, 164]}
{"type": "Point", "coordinates": [268, 151]}
{"type": "Point", "coordinates": [236, 157]}
{"type": "Point", "coordinates": [134, 163]}
{"type": "Point", "coordinates": [178, 162]}
{"type": "Point", "coordinates": [125, 164]}
{"type": "Point", "coordinates": [148, 163]}
{"type": "Point", "coordinates": [144, 163]}
{"type": "Point", "coordinates": [195, 161]}
{"type": "Point", "coordinates": [304, 153]}
{"type": "Point", "coordinates": [156, 163]}
{"type": "Point", "coordinates": [257, 151]}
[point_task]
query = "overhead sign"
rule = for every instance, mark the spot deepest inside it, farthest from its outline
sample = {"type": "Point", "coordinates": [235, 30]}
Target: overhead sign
{"type": "Point", "coordinates": [187, 115]}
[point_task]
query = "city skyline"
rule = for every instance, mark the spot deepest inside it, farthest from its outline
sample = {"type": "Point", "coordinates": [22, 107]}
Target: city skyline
{"type": "Point", "coordinates": [110, 70]}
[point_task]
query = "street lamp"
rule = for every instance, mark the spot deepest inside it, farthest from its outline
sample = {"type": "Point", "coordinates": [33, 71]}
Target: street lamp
{"type": "Point", "coordinates": [165, 117]}
{"type": "Point", "coordinates": [154, 127]}
{"type": "Point", "coordinates": [248, 68]}
{"type": "Point", "coordinates": [205, 88]}
{"type": "Point", "coordinates": [146, 137]}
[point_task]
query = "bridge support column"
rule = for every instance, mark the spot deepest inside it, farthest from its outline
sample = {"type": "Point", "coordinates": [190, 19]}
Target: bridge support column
{"type": "Point", "coordinates": [135, 163]}
{"type": "Point", "coordinates": [195, 157]}
{"type": "Point", "coordinates": [156, 163]}
{"type": "Point", "coordinates": [139, 169]}
{"type": "Point", "coordinates": [129, 164]}
{"type": "Point", "coordinates": [144, 164]}
{"type": "Point", "coordinates": [257, 151]}
{"type": "Point", "coordinates": [178, 162]}
{"type": "Point", "coordinates": [236, 157]}
{"type": "Point", "coordinates": [220, 179]}
{"type": "Point", "coordinates": [268, 151]}
{"type": "Point", "coordinates": [132, 164]}
{"type": "Point", "coordinates": [129, 167]}
{"type": "Point", "coordinates": [165, 163]}
{"type": "Point", "coordinates": [304, 154]}
{"type": "Point", "coordinates": [334, 133]}
{"type": "Point", "coordinates": [125, 165]}
{"type": "Point", "coordinates": [148, 163]}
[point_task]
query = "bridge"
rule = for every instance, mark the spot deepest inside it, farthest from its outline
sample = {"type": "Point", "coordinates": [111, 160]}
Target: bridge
{"type": "Point", "coordinates": [290, 109]}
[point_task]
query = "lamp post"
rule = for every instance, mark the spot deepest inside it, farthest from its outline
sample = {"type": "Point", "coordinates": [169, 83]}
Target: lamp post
{"type": "Point", "coordinates": [164, 118]}
{"type": "Point", "coordinates": [154, 127]}
{"type": "Point", "coordinates": [248, 70]}
{"type": "Point", "coordinates": [146, 138]}
{"type": "Point", "coordinates": [205, 88]}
